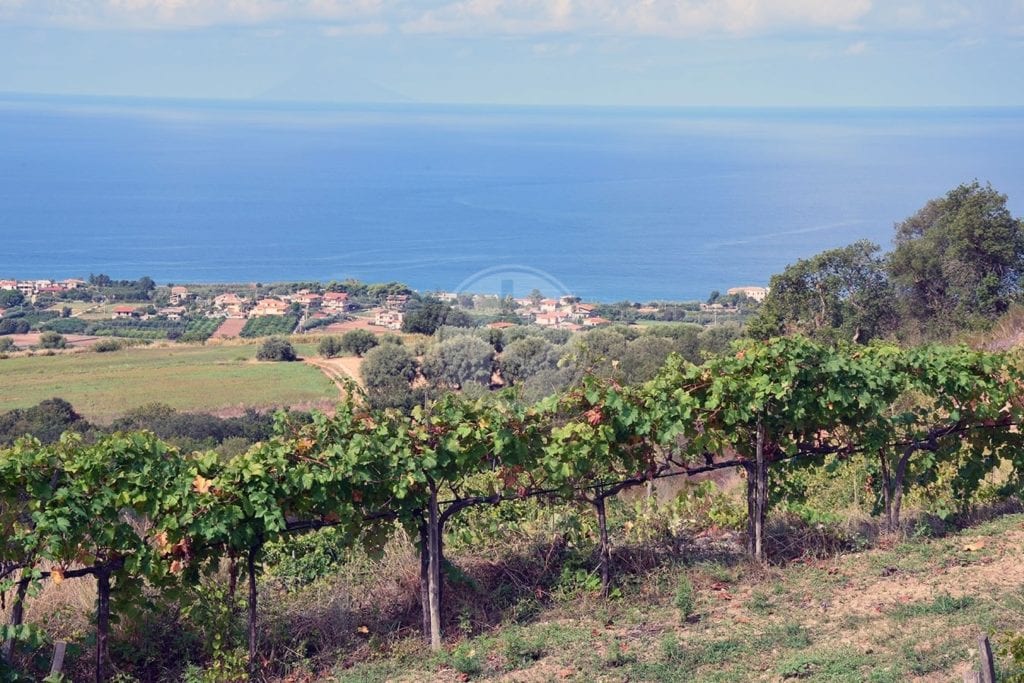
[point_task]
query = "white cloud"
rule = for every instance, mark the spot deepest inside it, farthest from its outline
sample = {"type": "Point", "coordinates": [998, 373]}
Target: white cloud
{"type": "Point", "coordinates": [674, 18]}
{"type": "Point", "coordinates": [156, 14]}
{"type": "Point", "coordinates": [643, 17]}
{"type": "Point", "coordinates": [495, 16]}
{"type": "Point", "coordinates": [372, 28]}
{"type": "Point", "coordinates": [858, 48]}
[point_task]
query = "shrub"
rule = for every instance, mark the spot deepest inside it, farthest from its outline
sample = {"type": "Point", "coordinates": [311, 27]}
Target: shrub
{"type": "Point", "coordinates": [14, 326]}
{"type": "Point", "coordinates": [684, 597]}
{"type": "Point", "coordinates": [52, 340]}
{"type": "Point", "coordinates": [330, 347]}
{"type": "Point", "coordinates": [107, 345]}
{"type": "Point", "coordinates": [46, 421]}
{"type": "Point", "coordinates": [66, 325]}
{"type": "Point", "coordinates": [276, 349]}
{"type": "Point", "coordinates": [358, 342]}
{"type": "Point", "coordinates": [6, 344]}
{"type": "Point", "coordinates": [467, 659]}
{"type": "Point", "coordinates": [520, 651]}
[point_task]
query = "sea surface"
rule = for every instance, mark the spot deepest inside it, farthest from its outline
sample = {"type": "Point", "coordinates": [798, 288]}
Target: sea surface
{"type": "Point", "coordinates": [608, 204]}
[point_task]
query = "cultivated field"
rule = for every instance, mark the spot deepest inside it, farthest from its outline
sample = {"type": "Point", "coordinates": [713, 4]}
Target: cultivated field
{"type": "Point", "coordinates": [220, 378]}
{"type": "Point", "coordinates": [229, 329]}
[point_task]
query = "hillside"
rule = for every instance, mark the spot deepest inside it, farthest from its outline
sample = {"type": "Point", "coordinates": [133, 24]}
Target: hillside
{"type": "Point", "coordinates": [900, 611]}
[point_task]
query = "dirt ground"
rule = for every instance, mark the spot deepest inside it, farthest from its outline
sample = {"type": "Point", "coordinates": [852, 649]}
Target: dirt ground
{"type": "Point", "coordinates": [354, 324]}
{"type": "Point", "coordinates": [339, 369]}
{"type": "Point", "coordinates": [231, 327]}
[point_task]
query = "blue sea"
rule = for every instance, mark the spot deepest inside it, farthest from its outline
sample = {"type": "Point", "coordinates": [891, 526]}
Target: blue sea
{"type": "Point", "coordinates": [607, 204]}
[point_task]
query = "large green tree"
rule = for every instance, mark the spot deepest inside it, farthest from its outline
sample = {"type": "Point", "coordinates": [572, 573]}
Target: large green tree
{"type": "Point", "coordinates": [388, 371]}
{"type": "Point", "coordinates": [426, 316]}
{"type": "Point", "coordinates": [958, 261]}
{"type": "Point", "coordinates": [459, 361]}
{"type": "Point", "coordinates": [526, 357]}
{"type": "Point", "coordinates": [839, 294]}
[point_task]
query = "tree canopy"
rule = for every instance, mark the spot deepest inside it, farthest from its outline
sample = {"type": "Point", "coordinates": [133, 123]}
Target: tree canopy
{"type": "Point", "coordinates": [838, 294]}
{"type": "Point", "coordinates": [956, 266]}
{"type": "Point", "coordinates": [958, 261]}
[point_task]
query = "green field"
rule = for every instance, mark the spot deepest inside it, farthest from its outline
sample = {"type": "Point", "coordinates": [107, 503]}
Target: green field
{"type": "Point", "coordinates": [102, 386]}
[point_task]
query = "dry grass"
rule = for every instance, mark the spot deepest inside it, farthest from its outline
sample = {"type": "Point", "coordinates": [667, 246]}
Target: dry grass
{"type": "Point", "coordinates": [907, 608]}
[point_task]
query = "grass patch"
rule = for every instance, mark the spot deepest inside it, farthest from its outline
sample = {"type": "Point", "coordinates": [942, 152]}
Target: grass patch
{"type": "Point", "coordinates": [791, 635]}
{"type": "Point", "coordinates": [759, 603]}
{"type": "Point", "coordinates": [102, 386]}
{"type": "Point", "coordinates": [837, 666]}
{"type": "Point", "coordinates": [942, 604]}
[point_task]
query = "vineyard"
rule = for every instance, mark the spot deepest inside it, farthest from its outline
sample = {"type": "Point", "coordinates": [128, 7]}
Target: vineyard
{"type": "Point", "coordinates": [194, 329]}
{"type": "Point", "coordinates": [268, 325]}
{"type": "Point", "coordinates": [138, 518]}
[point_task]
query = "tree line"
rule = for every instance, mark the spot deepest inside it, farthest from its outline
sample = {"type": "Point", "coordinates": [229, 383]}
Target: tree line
{"type": "Point", "coordinates": [955, 266]}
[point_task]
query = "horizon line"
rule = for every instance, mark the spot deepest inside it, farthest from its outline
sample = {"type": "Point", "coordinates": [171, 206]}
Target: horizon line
{"type": "Point", "coordinates": [411, 104]}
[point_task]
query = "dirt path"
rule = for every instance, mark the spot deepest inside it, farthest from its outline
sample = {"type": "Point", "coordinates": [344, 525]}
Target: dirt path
{"type": "Point", "coordinates": [338, 370]}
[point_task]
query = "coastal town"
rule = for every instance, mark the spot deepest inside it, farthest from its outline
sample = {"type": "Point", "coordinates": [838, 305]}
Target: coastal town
{"type": "Point", "coordinates": [141, 309]}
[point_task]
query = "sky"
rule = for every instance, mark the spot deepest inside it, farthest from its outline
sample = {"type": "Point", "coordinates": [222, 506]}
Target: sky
{"type": "Point", "coordinates": [523, 52]}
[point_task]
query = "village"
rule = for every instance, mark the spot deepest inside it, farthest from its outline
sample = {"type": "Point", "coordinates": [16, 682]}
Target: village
{"type": "Point", "coordinates": [143, 309]}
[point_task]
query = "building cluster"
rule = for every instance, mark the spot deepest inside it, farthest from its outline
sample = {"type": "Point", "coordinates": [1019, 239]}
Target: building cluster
{"type": "Point", "coordinates": [33, 288]}
{"type": "Point", "coordinates": [392, 314]}
{"type": "Point", "coordinates": [758, 294]}
{"type": "Point", "coordinates": [231, 305]}
{"type": "Point", "coordinates": [565, 313]}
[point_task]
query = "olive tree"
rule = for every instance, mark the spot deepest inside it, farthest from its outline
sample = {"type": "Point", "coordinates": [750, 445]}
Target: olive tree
{"type": "Point", "coordinates": [458, 362]}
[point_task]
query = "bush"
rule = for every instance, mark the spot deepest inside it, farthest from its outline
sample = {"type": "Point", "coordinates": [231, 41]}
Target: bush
{"type": "Point", "coordinates": [330, 347]}
{"type": "Point", "coordinates": [467, 659]}
{"type": "Point", "coordinates": [66, 325]}
{"type": "Point", "coordinates": [14, 326]}
{"type": "Point", "coordinates": [276, 349]}
{"type": "Point", "coordinates": [107, 345]}
{"type": "Point", "coordinates": [358, 342]}
{"type": "Point", "coordinates": [6, 344]}
{"type": "Point", "coordinates": [684, 601]}
{"type": "Point", "coordinates": [46, 421]}
{"type": "Point", "coordinates": [52, 340]}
